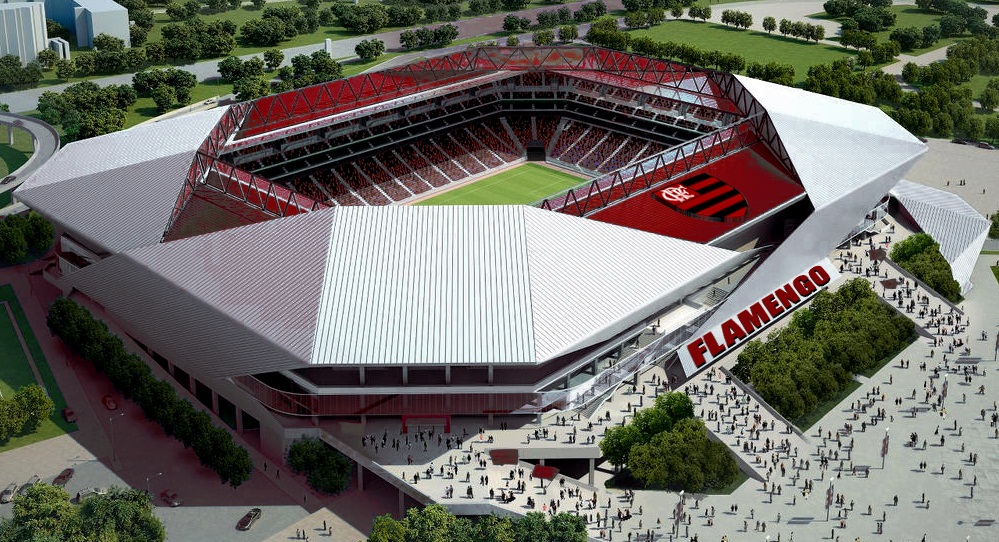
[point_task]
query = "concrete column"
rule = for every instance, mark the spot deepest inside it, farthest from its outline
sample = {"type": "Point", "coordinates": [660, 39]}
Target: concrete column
{"type": "Point", "coordinates": [542, 462]}
{"type": "Point", "coordinates": [192, 384]}
{"type": "Point", "coordinates": [447, 375]}
{"type": "Point", "coordinates": [360, 477]}
{"type": "Point", "coordinates": [364, 423]}
{"type": "Point", "coordinates": [10, 134]}
{"type": "Point", "coordinates": [405, 375]}
{"type": "Point", "coordinates": [402, 504]}
{"type": "Point", "coordinates": [568, 380]}
{"type": "Point", "coordinates": [490, 377]}
{"type": "Point", "coordinates": [593, 367]}
{"type": "Point", "coordinates": [361, 375]}
{"type": "Point", "coordinates": [593, 464]}
{"type": "Point", "coordinates": [215, 402]}
{"type": "Point", "coordinates": [239, 421]}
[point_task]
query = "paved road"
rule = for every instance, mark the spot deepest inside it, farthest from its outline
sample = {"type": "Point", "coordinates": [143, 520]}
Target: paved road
{"type": "Point", "coordinates": [27, 100]}
{"type": "Point", "coordinates": [46, 143]}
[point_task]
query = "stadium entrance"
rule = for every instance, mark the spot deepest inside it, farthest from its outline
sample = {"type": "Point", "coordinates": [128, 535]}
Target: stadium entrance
{"type": "Point", "coordinates": [535, 150]}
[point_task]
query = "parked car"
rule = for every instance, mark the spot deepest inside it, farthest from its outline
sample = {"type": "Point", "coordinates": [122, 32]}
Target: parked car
{"type": "Point", "coordinates": [24, 489]}
{"type": "Point", "coordinates": [8, 494]}
{"type": "Point", "coordinates": [8, 179]}
{"type": "Point", "coordinates": [89, 492]}
{"type": "Point", "coordinates": [960, 141]}
{"type": "Point", "coordinates": [63, 477]}
{"type": "Point", "coordinates": [109, 402]}
{"type": "Point", "coordinates": [248, 519]}
{"type": "Point", "coordinates": [170, 497]}
{"type": "Point", "coordinates": [69, 415]}
{"type": "Point", "coordinates": [984, 145]}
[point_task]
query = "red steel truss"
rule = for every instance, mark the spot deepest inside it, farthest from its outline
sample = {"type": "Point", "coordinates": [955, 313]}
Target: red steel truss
{"type": "Point", "coordinates": [677, 81]}
{"type": "Point", "coordinates": [653, 171]}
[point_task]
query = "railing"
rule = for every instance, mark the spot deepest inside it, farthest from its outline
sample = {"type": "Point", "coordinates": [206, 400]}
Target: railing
{"type": "Point", "coordinates": [656, 170]}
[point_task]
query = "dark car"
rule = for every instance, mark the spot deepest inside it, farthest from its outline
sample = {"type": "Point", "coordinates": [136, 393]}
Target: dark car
{"type": "Point", "coordinates": [984, 145]}
{"type": "Point", "coordinates": [170, 497]}
{"type": "Point", "coordinates": [63, 477]}
{"type": "Point", "coordinates": [24, 489]}
{"type": "Point", "coordinates": [248, 520]}
{"type": "Point", "coordinates": [960, 141]}
{"type": "Point", "coordinates": [8, 179]}
{"type": "Point", "coordinates": [69, 415]}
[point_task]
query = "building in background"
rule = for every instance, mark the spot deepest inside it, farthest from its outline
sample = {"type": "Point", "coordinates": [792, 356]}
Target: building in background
{"type": "Point", "coordinates": [22, 30]}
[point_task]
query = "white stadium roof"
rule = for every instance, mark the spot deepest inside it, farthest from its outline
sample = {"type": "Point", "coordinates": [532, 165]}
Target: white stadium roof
{"type": "Point", "coordinates": [382, 285]}
{"type": "Point", "coordinates": [117, 191]}
{"type": "Point", "coordinates": [952, 222]}
{"type": "Point", "coordinates": [847, 155]}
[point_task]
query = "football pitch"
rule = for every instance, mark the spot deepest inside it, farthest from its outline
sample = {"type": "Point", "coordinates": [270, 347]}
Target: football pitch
{"type": "Point", "coordinates": [526, 183]}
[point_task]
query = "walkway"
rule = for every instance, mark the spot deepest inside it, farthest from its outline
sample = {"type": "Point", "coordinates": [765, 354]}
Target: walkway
{"type": "Point", "coordinates": [24, 346]}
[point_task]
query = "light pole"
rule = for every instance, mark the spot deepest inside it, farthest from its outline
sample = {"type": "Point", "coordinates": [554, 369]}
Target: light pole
{"type": "Point", "coordinates": [114, 453]}
{"type": "Point", "coordinates": [147, 482]}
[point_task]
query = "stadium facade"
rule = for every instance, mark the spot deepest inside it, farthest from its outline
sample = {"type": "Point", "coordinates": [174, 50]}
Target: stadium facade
{"type": "Point", "coordinates": [266, 254]}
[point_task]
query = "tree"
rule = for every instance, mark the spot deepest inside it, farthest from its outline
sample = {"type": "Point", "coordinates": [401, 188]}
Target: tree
{"type": "Point", "coordinates": [64, 69]}
{"type": "Point", "coordinates": [44, 512]}
{"type": "Point", "coordinates": [387, 529]}
{"type": "Point", "coordinates": [369, 50]}
{"type": "Point", "coordinates": [249, 88]}
{"type": "Point", "coordinates": [13, 246]}
{"type": "Point", "coordinates": [992, 130]}
{"type": "Point", "coordinates": [35, 405]}
{"type": "Point", "coordinates": [568, 33]}
{"type": "Point", "coordinates": [273, 58]}
{"type": "Point", "coordinates": [327, 470]}
{"type": "Point", "coordinates": [259, 4]}
{"type": "Point", "coordinates": [769, 24]}
{"type": "Point", "coordinates": [164, 97]}
{"type": "Point", "coordinates": [47, 58]}
{"type": "Point", "coordinates": [989, 99]}
{"type": "Point", "coordinates": [512, 41]}
{"type": "Point", "coordinates": [952, 25]}
{"type": "Point", "coordinates": [544, 36]}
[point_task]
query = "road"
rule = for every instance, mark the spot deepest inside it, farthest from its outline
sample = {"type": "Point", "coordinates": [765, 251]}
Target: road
{"type": "Point", "coordinates": [46, 143]}
{"type": "Point", "coordinates": [27, 100]}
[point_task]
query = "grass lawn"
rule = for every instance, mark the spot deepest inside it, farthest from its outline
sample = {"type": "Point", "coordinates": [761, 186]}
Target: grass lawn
{"type": "Point", "coordinates": [754, 46]}
{"type": "Point", "coordinates": [526, 183]}
{"type": "Point", "coordinates": [145, 109]}
{"type": "Point", "coordinates": [14, 156]}
{"type": "Point", "coordinates": [729, 489]}
{"type": "Point", "coordinates": [805, 422]}
{"type": "Point", "coordinates": [15, 372]}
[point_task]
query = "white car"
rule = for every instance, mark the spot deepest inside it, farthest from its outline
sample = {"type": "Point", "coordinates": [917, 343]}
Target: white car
{"type": "Point", "coordinates": [8, 494]}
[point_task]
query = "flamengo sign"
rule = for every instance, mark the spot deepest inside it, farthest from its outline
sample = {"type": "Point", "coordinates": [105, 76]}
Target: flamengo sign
{"type": "Point", "coordinates": [720, 339]}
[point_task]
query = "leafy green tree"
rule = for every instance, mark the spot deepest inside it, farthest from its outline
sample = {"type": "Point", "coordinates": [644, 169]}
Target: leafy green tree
{"type": "Point", "coordinates": [617, 443]}
{"type": "Point", "coordinates": [992, 127]}
{"type": "Point", "coordinates": [164, 97]}
{"type": "Point", "coordinates": [769, 24]}
{"type": "Point", "coordinates": [494, 529]}
{"type": "Point", "coordinates": [514, 41]}
{"type": "Point", "coordinates": [273, 58]}
{"type": "Point", "coordinates": [684, 458]}
{"type": "Point", "coordinates": [429, 524]}
{"type": "Point", "coordinates": [35, 405]}
{"type": "Point", "coordinates": [387, 529]}
{"type": "Point", "coordinates": [43, 513]}
{"type": "Point", "coordinates": [369, 50]}
{"type": "Point", "coordinates": [544, 36]}
{"type": "Point", "coordinates": [568, 33]}
{"type": "Point", "coordinates": [533, 527]}
{"type": "Point", "coordinates": [47, 58]}
{"type": "Point", "coordinates": [13, 246]}
{"type": "Point", "coordinates": [327, 470]}
{"type": "Point", "coordinates": [989, 99]}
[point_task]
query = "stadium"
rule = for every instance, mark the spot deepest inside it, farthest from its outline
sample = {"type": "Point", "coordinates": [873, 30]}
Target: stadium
{"type": "Point", "coordinates": [498, 231]}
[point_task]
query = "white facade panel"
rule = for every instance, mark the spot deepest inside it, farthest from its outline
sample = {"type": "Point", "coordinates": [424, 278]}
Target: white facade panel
{"type": "Point", "coordinates": [952, 222]}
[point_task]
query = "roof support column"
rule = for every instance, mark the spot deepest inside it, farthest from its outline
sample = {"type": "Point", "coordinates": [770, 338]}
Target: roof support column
{"type": "Point", "coordinates": [447, 375]}
{"type": "Point", "coordinates": [360, 374]}
{"type": "Point", "coordinates": [405, 375]}
{"type": "Point", "coordinates": [489, 379]}
{"type": "Point", "coordinates": [592, 467]}
{"type": "Point", "coordinates": [360, 476]}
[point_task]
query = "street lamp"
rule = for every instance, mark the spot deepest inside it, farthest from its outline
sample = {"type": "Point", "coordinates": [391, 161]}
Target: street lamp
{"type": "Point", "coordinates": [114, 453]}
{"type": "Point", "coordinates": [147, 482]}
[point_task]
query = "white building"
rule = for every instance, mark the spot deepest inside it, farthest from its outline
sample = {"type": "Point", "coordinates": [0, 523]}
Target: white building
{"type": "Point", "coordinates": [22, 30]}
{"type": "Point", "coordinates": [95, 17]}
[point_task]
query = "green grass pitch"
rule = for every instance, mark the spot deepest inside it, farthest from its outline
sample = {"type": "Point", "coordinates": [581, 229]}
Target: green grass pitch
{"type": "Point", "coordinates": [526, 183]}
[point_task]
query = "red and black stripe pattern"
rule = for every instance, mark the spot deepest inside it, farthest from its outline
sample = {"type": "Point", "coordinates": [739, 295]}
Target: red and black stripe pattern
{"type": "Point", "coordinates": [705, 197]}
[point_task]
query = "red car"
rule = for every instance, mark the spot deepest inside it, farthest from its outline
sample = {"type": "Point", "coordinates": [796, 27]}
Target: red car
{"type": "Point", "coordinates": [170, 497]}
{"type": "Point", "coordinates": [109, 402]}
{"type": "Point", "coordinates": [63, 477]}
{"type": "Point", "coordinates": [69, 415]}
